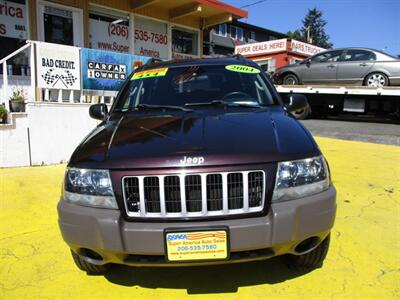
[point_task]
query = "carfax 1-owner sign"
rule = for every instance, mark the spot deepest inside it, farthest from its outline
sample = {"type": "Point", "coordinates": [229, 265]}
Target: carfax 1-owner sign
{"type": "Point", "coordinates": [106, 70]}
{"type": "Point", "coordinates": [58, 66]}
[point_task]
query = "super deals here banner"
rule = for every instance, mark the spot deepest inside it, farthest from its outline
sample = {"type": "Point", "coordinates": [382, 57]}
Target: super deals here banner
{"type": "Point", "coordinates": [106, 70]}
{"type": "Point", "coordinates": [58, 66]}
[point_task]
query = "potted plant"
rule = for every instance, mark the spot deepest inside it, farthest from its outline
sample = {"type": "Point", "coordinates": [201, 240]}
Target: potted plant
{"type": "Point", "coordinates": [3, 114]}
{"type": "Point", "coordinates": [17, 101]}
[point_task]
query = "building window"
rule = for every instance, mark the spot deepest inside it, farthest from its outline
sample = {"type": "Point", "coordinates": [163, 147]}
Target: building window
{"type": "Point", "coordinates": [151, 38]}
{"type": "Point", "coordinates": [109, 33]}
{"type": "Point", "coordinates": [268, 65]}
{"type": "Point", "coordinates": [13, 34]}
{"type": "Point", "coordinates": [252, 35]}
{"type": "Point", "coordinates": [236, 32]}
{"type": "Point", "coordinates": [222, 30]}
{"type": "Point", "coordinates": [239, 34]}
{"type": "Point", "coordinates": [58, 26]}
{"type": "Point", "coordinates": [184, 41]}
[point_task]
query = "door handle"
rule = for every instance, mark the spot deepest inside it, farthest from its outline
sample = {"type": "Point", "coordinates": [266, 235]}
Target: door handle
{"type": "Point", "coordinates": [331, 66]}
{"type": "Point", "coordinates": [363, 65]}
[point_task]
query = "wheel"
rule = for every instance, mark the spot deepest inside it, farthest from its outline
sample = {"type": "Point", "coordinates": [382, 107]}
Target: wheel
{"type": "Point", "coordinates": [310, 260]}
{"type": "Point", "coordinates": [376, 80]}
{"type": "Point", "coordinates": [302, 114]}
{"type": "Point", "coordinates": [86, 266]}
{"type": "Point", "coordinates": [290, 79]}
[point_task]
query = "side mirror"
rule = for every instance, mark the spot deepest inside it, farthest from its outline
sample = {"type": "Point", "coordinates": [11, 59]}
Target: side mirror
{"type": "Point", "coordinates": [294, 102]}
{"type": "Point", "coordinates": [98, 111]}
{"type": "Point", "coordinates": [308, 63]}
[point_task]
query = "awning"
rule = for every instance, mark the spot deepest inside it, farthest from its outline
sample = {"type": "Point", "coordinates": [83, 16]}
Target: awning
{"type": "Point", "coordinates": [206, 13]}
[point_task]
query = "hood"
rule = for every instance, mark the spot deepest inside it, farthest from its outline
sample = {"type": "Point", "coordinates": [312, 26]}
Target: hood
{"type": "Point", "coordinates": [209, 137]}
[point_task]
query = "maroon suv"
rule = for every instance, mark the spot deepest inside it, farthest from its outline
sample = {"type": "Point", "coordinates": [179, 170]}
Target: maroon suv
{"type": "Point", "coordinates": [197, 162]}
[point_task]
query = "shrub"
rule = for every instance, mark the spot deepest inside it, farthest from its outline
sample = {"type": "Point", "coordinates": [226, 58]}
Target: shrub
{"type": "Point", "coordinates": [18, 95]}
{"type": "Point", "coordinates": [3, 112]}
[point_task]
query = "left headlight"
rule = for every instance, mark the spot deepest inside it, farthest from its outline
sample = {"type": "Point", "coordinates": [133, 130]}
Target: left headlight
{"type": "Point", "coordinates": [300, 178]}
{"type": "Point", "coordinates": [89, 188]}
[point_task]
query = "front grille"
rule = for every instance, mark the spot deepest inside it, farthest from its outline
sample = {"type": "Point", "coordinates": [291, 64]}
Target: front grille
{"type": "Point", "coordinates": [194, 195]}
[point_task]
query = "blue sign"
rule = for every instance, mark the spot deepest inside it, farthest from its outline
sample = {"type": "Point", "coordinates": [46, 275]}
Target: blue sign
{"type": "Point", "coordinates": [106, 70]}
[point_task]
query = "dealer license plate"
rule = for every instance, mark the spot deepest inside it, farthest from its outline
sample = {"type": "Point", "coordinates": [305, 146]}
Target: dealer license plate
{"type": "Point", "coordinates": [197, 245]}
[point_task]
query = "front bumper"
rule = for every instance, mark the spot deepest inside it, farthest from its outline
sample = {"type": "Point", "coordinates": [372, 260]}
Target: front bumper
{"type": "Point", "coordinates": [134, 243]}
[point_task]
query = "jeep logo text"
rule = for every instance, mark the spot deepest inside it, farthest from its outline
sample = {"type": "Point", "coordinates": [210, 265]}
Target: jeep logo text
{"type": "Point", "coordinates": [196, 160]}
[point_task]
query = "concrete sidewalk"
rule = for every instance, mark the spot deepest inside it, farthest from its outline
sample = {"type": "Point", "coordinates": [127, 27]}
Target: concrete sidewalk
{"type": "Point", "coordinates": [363, 261]}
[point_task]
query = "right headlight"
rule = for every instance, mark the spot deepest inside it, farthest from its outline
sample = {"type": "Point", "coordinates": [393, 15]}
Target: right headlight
{"type": "Point", "coordinates": [300, 178]}
{"type": "Point", "coordinates": [89, 188]}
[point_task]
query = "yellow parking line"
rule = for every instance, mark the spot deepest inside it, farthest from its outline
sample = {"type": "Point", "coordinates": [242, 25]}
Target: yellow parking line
{"type": "Point", "coordinates": [363, 262]}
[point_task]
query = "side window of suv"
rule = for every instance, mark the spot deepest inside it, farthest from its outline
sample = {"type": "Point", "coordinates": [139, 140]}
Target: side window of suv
{"type": "Point", "coordinates": [330, 56]}
{"type": "Point", "coordinates": [356, 55]}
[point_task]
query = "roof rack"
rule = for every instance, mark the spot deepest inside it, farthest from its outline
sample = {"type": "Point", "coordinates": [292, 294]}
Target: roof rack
{"type": "Point", "coordinates": [238, 56]}
{"type": "Point", "coordinates": [153, 60]}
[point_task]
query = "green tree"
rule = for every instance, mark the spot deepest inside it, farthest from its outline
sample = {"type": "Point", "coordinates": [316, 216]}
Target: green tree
{"type": "Point", "coordinates": [313, 30]}
{"type": "Point", "coordinates": [295, 35]}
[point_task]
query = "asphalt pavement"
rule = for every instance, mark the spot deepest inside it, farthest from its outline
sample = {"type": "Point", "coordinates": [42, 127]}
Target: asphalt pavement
{"type": "Point", "coordinates": [379, 133]}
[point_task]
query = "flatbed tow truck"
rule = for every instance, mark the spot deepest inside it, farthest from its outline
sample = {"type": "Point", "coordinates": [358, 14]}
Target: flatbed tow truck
{"type": "Point", "coordinates": [327, 100]}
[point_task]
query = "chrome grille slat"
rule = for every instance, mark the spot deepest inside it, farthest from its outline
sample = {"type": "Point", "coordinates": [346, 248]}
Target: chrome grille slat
{"type": "Point", "coordinates": [141, 197]}
{"type": "Point", "coordinates": [183, 194]}
{"type": "Point", "coordinates": [203, 194]}
{"type": "Point", "coordinates": [225, 193]}
{"type": "Point", "coordinates": [194, 194]}
{"type": "Point", "coordinates": [162, 195]}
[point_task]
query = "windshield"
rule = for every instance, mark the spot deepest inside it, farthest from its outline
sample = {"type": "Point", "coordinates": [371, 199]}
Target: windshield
{"type": "Point", "coordinates": [195, 85]}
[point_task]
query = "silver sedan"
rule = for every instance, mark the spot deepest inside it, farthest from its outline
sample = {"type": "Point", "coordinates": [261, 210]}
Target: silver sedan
{"type": "Point", "coordinates": [348, 66]}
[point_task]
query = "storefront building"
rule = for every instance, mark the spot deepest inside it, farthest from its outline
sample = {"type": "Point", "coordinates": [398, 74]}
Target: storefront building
{"type": "Point", "coordinates": [275, 54]}
{"type": "Point", "coordinates": [154, 28]}
{"type": "Point", "coordinates": [222, 39]}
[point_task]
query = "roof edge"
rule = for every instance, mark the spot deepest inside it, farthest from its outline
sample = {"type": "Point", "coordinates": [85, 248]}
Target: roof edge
{"type": "Point", "coordinates": [237, 12]}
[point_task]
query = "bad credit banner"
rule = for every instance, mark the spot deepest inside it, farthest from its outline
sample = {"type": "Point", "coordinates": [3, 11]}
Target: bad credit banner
{"type": "Point", "coordinates": [58, 66]}
{"type": "Point", "coordinates": [105, 70]}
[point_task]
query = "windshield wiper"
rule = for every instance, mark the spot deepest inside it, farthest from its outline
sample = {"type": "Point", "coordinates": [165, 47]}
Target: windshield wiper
{"type": "Point", "coordinates": [223, 103]}
{"type": "Point", "coordinates": [151, 106]}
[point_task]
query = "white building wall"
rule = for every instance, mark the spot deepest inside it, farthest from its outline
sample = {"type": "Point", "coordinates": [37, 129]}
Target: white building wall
{"type": "Point", "coordinates": [56, 129]}
{"type": "Point", "coordinates": [14, 150]}
{"type": "Point", "coordinates": [17, 83]}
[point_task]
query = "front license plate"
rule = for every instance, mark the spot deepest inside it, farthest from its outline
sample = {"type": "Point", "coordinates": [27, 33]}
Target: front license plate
{"type": "Point", "coordinates": [197, 245]}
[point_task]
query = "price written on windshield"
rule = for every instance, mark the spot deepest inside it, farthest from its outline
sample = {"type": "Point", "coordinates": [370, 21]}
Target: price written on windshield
{"type": "Point", "coordinates": [152, 37]}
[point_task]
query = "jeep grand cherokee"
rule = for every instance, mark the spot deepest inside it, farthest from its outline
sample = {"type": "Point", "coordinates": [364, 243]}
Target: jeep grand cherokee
{"type": "Point", "coordinates": [197, 162]}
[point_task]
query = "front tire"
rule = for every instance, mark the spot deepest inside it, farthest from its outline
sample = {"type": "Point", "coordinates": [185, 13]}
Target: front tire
{"type": "Point", "coordinates": [311, 260]}
{"type": "Point", "coordinates": [86, 266]}
{"type": "Point", "coordinates": [376, 80]}
{"type": "Point", "coordinates": [290, 79]}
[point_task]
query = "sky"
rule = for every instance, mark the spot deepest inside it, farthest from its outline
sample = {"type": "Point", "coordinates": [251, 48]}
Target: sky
{"type": "Point", "coordinates": [351, 23]}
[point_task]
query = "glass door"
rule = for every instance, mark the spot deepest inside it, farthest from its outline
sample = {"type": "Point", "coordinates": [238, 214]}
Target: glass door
{"type": "Point", "coordinates": [60, 24]}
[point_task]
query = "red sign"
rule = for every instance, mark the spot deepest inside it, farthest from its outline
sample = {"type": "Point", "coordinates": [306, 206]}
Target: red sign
{"type": "Point", "coordinates": [261, 48]}
{"type": "Point", "coordinates": [305, 48]}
